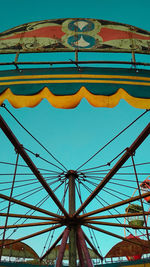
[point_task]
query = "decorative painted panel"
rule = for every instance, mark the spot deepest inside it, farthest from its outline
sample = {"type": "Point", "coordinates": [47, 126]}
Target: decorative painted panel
{"type": "Point", "coordinates": [74, 34]}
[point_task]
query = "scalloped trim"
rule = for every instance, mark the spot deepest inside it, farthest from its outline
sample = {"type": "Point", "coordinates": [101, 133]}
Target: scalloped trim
{"type": "Point", "coordinates": [71, 101]}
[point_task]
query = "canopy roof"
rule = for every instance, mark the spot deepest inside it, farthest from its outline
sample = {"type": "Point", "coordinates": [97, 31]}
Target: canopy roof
{"type": "Point", "coordinates": [74, 34]}
{"type": "Point", "coordinates": [18, 250]}
{"type": "Point", "coordinates": [125, 248]}
{"type": "Point", "coordinates": [54, 253]}
{"type": "Point", "coordinates": [65, 87]}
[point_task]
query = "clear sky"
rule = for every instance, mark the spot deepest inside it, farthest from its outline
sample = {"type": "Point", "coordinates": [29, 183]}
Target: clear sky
{"type": "Point", "coordinates": [75, 135]}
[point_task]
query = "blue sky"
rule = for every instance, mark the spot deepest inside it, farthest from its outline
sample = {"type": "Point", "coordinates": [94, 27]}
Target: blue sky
{"type": "Point", "coordinates": [133, 12]}
{"type": "Point", "coordinates": [74, 135]}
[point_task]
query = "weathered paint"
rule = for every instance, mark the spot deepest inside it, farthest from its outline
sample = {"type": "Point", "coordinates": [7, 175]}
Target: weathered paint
{"type": "Point", "coordinates": [18, 250]}
{"type": "Point", "coordinates": [75, 34]}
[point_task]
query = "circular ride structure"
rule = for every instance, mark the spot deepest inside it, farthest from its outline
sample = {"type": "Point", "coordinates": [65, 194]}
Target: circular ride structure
{"type": "Point", "coordinates": [84, 205]}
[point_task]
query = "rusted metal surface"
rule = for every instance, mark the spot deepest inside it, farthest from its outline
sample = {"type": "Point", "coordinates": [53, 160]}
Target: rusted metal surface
{"type": "Point", "coordinates": [71, 175]}
{"type": "Point", "coordinates": [52, 247]}
{"type": "Point", "coordinates": [18, 250]}
{"type": "Point", "coordinates": [19, 202]}
{"type": "Point", "coordinates": [116, 167]}
{"type": "Point", "coordinates": [115, 216]}
{"type": "Point", "coordinates": [28, 216]}
{"type": "Point", "coordinates": [114, 235]}
{"type": "Point", "coordinates": [117, 225]}
{"type": "Point", "coordinates": [17, 63]}
{"type": "Point", "coordinates": [34, 234]}
{"type": "Point", "coordinates": [8, 208]}
{"type": "Point", "coordinates": [125, 248]}
{"type": "Point", "coordinates": [29, 224]}
{"type": "Point", "coordinates": [80, 253]}
{"type": "Point", "coordinates": [74, 34]}
{"type": "Point", "coordinates": [93, 248]}
{"type": "Point", "coordinates": [62, 247]}
{"type": "Point", "coordinates": [84, 247]}
{"type": "Point", "coordinates": [117, 204]}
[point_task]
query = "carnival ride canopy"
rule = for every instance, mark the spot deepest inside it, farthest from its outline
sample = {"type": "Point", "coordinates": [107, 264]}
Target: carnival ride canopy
{"type": "Point", "coordinates": [75, 33]}
{"type": "Point", "coordinates": [18, 250]}
{"type": "Point", "coordinates": [65, 87]}
{"type": "Point", "coordinates": [124, 248]}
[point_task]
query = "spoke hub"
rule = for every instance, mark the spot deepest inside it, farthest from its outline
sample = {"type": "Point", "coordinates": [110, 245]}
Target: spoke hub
{"type": "Point", "coordinates": [72, 173]}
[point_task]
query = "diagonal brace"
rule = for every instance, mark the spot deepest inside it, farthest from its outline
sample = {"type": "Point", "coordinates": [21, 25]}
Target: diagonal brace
{"type": "Point", "coordinates": [115, 205]}
{"type": "Point", "coordinates": [116, 167]}
{"type": "Point", "coordinates": [52, 247]}
{"type": "Point", "coordinates": [12, 138]}
{"type": "Point", "coordinates": [24, 204]}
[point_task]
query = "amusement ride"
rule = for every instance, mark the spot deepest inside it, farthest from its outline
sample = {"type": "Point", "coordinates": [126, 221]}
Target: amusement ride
{"type": "Point", "coordinates": [74, 206]}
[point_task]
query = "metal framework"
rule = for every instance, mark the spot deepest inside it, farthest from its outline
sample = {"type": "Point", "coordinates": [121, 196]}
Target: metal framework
{"type": "Point", "coordinates": [70, 35]}
{"type": "Point", "coordinates": [73, 220]}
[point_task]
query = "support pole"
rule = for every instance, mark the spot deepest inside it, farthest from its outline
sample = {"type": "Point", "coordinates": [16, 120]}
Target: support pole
{"type": "Point", "coordinates": [62, 248]}
{"type": "Point", "coordinates": [94, 249]}
{"type": "Point", "coordinates": [84, 247]}
{"type": "Point", "coordinates": [80, 253]}
{"type": "Point", "coordinates": [71, 175]}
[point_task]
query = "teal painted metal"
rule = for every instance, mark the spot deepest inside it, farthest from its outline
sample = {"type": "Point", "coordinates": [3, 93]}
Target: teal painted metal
{"type": "Point", "coordinates": [68, 81]}
{"type": "Point", "coordinates": [19, 264]}
{"type": "Point", "coordinates": [110, 264]}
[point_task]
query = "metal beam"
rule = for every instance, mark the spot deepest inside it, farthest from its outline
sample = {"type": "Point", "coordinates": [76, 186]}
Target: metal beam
{"type": "Point", "coordinates": [116, 167]}
{"type": "Point", "coordinates": [83, 245]}
{"type": "Point", "coordinates": [118, 225]}
{"type": "Point", "coordinates": [8, 208]}
{"type": "Point", "coordinates": [120, 203]}
{"type": "Point", "coordinates": [12, 138]}
{"type": "Point", "coordinates": [74, 62]}
{"type": "Point", "coordinates": [115, 216]}
{"type": "Point", "coordinates": [62, 247]}
{"type": "Point", "coordinates": [53, 246]}
{"type": "Point", "coordinates": [33, 235]}
{"type": "Point", "coordinates": [19, 202]}
{"type": "Point", "coordinates": [91, 245]}
{"type": "Point", "coordinates": [115, 235]}
{"type": "Point", "coordinates": [27, 216]}
{"type": "Point", "coordinates": [72, 235]}
{"type": "Point", "coordinates": [30, 224]}
{"type": "Point", "coordinates": [80, 253]}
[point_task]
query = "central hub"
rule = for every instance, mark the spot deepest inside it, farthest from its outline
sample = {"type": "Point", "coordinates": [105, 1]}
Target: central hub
{"type": "Point", "coordinates": [72, 173]}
